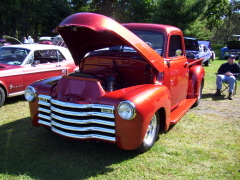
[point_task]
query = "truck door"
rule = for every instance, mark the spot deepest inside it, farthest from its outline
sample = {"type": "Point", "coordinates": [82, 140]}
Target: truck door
{"type": "Point", "coordinates": [177, 69]}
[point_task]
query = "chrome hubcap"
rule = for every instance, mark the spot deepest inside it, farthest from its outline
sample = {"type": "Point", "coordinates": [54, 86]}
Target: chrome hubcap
{"type": "Point", "coordinates": [151, 131]}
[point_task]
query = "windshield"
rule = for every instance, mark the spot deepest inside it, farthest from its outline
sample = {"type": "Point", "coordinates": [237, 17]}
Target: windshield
{"type": "Point", "coordinates": [153, 39]}
{"type": "Point", "coordinates": [13, 56]}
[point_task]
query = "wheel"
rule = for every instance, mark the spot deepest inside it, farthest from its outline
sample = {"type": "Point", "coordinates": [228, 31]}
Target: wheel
{"type": "Point", "coordinates": [207, 63]}
{"type": "Point", "coordinates": [2, 97]}
{"type": "Point", "coordinates": [199, 96]}
{"type": "Point", "coordinates": [213, 56]}
{"type": "Point", "coordinates": [151, 134]}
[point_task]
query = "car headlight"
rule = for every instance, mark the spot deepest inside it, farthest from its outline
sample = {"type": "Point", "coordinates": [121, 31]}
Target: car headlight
{"type": "Point", "coordinates": [30, 94]}
{"type": "Point", "coordinates": [127, 110]}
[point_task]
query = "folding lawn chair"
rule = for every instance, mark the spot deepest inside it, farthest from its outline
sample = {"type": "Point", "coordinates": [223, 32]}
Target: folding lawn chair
{"type": "Point", "coordinates": [225, 86]}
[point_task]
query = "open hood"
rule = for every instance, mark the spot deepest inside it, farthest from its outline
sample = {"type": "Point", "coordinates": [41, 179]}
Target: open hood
{"type": "Point", "coordinates": [86, 32]}
{"type": "Point", "coordinates": [233, 45]}
{"type": "Point", "coordinates": [191, 44]}
{"type": "Point", "coordinates": [11, 40]}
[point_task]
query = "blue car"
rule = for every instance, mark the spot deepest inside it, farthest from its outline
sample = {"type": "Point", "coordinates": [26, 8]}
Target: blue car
{"type": "Point", "coordinates": [195, 50]}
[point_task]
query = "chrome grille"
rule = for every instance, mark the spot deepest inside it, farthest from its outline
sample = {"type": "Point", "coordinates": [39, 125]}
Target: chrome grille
{"type": "Point", "coordinates": [81, 121]}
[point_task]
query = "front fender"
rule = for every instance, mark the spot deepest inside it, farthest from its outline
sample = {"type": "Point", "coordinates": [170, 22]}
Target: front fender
{"type": "Point", "coordinates": [148, 99]}
{"type": "Point", "coordinates": [42, 87]}
{"type": "Point", "coordinates": [196, 77]}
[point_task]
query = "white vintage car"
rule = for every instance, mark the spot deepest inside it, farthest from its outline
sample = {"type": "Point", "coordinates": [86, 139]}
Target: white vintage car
{"type": "Point", "coordinates": [23, 64]}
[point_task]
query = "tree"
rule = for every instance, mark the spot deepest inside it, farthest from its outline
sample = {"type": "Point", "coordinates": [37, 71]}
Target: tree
{"type": "Point", "coordinates": [230, 24]}
{"type": "Point", "coordinates": [216, 10]}
{"type": "Point", "coordinates": [198, 29]}
{"type": "Point", "coordinates": [52, 14]}
{"type": "Point", "coordinates": [179, 13]}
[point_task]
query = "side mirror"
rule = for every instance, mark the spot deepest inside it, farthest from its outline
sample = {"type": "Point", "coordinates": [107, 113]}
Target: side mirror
{"type": "Point", "coordinates": [178, 52]}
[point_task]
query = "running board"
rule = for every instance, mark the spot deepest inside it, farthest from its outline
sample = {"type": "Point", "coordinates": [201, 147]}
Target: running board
{"type": "Point", "coordinates": [179, 112]}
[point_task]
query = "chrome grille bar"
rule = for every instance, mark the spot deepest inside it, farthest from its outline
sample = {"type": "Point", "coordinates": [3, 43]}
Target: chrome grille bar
{"type": "Point", "coordinates": [72, 113]}
{"type": "Point", "coordinates": [72, 128]}
{"type": "Point", "coordinates": [88, 136]}
{"type": "Point", "coordinates": [81, 106]}
{"type": "Point", "coordinates": [96, 121]}
{"type": "Point", "coordinates": [80, 121]}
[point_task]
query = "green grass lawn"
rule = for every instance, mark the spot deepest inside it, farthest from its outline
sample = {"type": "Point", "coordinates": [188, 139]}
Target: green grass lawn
{"type": "Point", "coordinates": [203, 145]}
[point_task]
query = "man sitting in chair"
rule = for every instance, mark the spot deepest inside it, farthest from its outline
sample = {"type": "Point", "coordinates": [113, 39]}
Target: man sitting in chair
{"type": "Point", "coordinates": [226, 74]}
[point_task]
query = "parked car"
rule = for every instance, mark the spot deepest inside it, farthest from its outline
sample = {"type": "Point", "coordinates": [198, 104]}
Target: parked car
{"type": "Point", "coordinates": [233, 47]}
{"type": "Point", "coordinates": [195, 50]}
{"type": "Point", "coordinates": [45, 40]}
{"type": "Point", "coordinates": [134, 81]}
{"type": "Point", "coordinates": [209, 46]}
{"type": "Point", "coordinates": [205, 52]}
{"type": "Point", "coordinates": [8, 40]}
{"type": "Point", "coordinates": [21, 65]}
{"type": "Point", "coordinates": [3, 42]}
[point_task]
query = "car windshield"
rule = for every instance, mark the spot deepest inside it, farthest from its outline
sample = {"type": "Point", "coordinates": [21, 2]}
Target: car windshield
{"type": "Point", "coordinates": [153, 39]}
{"type": "Point", "coordinates": [13, 56]}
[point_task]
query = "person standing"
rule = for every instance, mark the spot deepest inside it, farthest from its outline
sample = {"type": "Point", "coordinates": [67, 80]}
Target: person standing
{"type": "Point", "coordinates": [226, 74]}
{"type": "Point", "coordinates": [30, 40]}
{"type": "Point", "coordinates": [25, 41]}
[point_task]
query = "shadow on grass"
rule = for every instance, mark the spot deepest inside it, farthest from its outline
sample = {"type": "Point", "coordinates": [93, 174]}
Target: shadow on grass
{"type": "Point", "coordinates": [12, 100]}
{"type": "Point", "coordinates": [214, 98]}
{"type": "Point", "coordinates": [39, 154]}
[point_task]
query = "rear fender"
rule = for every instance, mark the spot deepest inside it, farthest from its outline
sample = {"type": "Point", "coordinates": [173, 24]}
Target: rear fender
{"type": "Point", "coordinates": [196, 77]}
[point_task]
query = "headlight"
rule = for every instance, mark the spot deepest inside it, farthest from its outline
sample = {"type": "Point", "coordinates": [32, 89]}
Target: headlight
{"type": "Point", "coordinates": [127, 110]}
{"type": "Point", "coordinates": [30, 94]}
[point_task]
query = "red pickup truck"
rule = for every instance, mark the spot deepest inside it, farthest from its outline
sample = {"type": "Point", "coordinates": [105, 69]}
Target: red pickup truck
{"type": "Point", "coordinates": [134, 81]}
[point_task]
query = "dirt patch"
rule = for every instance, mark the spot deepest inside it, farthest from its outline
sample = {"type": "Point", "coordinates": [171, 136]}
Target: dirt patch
{"type": "Point", "coordinates": [219, 105]}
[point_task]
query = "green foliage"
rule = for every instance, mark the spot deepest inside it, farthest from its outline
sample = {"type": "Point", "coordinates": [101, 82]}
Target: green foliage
{"type": "Point", "coordinates": [229, 27]}
{"type": "Point", "coordinates": [179, 13]}
{"type": "Point", "coordinates": [198, 29]}
{"type": "Point", "coordinates": [217, 9]}
{"type": "Point", "coordinates": [20, 18]}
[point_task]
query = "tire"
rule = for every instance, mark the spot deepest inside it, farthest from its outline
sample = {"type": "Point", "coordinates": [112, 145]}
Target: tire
{"type": "Point", "coordinates": [213, 56]}
{"type": "Point", "coordinates": [2, 97]}
{"type": "Point", "coordinates": [207, 63]}
{"type": "Point", "coordinates": [199, 96]}
{"type": "Point", "coordinates": [151, 134]}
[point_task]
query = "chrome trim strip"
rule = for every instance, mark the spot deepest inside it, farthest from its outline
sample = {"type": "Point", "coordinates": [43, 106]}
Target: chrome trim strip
{"type": "Point", "coordinates": [44, 103]}
{"type": "Point", "coordinates": [74, 121]}
{"type": "Point", "coordinates": [82, 106]}
{"type": "Point", "coordinates": [44, 123]}
{"type": "Point", "coordinates": [44, 96]}
{"type": "Point", "coordinates": [72, 113]}
{"type": "Point", "coordinates": [44, 117]}
{"type": "Point", "coordinates": [46, 70]}
{"type": "Point", "coordinates": [83, 129]}
{"type": "Point", "coordinates": [89, 136]}
{"type": "Point", "coordinates": [16, 94]}
{"type": "Point", "coordinates": [44, 110]}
